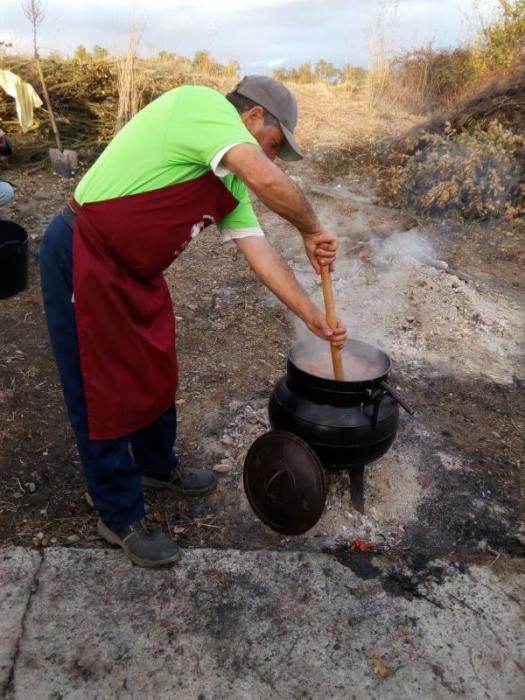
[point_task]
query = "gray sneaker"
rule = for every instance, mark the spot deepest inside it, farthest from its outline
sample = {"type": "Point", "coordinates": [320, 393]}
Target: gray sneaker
{"type": "Point", "coordinates": [142, 543]}
{"type": "Point", "coordinates": [184, 481]}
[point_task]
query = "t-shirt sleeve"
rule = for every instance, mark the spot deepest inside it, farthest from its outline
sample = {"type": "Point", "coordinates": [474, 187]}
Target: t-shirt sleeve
{"type": "Point", "coordinates": [242, 221]}
{"type": "Point", "coordinates": [216, 165]}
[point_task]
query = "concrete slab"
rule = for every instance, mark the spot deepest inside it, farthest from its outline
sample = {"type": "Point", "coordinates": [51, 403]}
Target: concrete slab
{"type": "Point", "coordinates": [18, 568]}
{"type": "Point", "coordinates": [265, 625]}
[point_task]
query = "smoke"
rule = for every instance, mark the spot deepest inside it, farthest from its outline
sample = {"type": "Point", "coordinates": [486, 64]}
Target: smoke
{"type": "Point", "coordinates": [371, 282]}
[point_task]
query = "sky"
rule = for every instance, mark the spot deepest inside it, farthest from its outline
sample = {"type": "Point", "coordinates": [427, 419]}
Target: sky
{"type": "Point", "coordinates": [260, 34]}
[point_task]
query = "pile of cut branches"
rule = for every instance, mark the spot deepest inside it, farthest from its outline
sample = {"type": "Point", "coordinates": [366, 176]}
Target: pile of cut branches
{"type": "Point", "coordinates": [84, 97]}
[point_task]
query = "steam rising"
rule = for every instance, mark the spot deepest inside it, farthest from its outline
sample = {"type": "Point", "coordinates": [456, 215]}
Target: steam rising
{"type": "Point", "coordinates": [372, 280]}
{"type": "Point", "coordinates": [361, 362]}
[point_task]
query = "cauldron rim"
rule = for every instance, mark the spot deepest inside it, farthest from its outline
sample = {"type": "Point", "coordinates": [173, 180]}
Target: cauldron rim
{"type": "Point", "coordinates": [360, 349]}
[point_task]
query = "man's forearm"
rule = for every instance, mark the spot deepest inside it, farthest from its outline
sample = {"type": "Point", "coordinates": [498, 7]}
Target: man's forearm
{"type": "Point", "coordinates": [275, 274]}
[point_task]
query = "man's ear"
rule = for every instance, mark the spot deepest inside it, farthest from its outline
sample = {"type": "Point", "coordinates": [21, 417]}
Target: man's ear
{"type": "Point", "coordinates": [254, 113]}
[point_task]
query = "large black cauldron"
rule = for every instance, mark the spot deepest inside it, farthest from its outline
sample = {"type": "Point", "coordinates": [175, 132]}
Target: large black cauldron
{"type": "Point", "coordinates": [347, 423]}
{"type": "Point", "coordinates": [319, 422]}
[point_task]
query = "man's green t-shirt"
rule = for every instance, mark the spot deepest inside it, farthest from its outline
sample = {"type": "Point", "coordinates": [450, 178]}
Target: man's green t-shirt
{"type": "Point", "coordinates": [180, 136]}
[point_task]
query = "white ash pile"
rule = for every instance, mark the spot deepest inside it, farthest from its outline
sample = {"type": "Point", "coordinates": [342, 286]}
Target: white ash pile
{"type": "Point", "coordinates": [250, 421]}
{"type": "Point", "coordinates": [392, 490]}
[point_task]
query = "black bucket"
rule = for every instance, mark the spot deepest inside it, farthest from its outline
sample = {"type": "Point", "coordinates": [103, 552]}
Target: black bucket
{"type": "Point", "coordinates": [13, 259]}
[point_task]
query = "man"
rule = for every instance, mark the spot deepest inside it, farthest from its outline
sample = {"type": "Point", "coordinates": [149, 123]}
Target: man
{"type": "Point", "coordinates": [185, 161]}
{"type": "Point", "coordinates": [6, 189]}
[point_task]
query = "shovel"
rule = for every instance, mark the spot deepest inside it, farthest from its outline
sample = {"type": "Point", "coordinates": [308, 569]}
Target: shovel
{"type": "Point", "coordinates": [328, 295]}
{"type": "Point", "coordinates": [64, 162]}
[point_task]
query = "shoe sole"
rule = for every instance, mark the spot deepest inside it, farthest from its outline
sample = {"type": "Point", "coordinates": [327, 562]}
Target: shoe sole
{"type": "Point", "coordinates": [110, 537]}
{"type": "Point", "coordinates": [159, 484]}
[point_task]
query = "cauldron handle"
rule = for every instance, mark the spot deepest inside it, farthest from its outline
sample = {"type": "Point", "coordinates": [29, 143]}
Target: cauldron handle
{"type": "Point", "coordinates": [400, 400]}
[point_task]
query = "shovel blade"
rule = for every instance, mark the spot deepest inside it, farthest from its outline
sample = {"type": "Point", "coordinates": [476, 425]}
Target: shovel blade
{"type": "Point", "coordinates": [64, 162]}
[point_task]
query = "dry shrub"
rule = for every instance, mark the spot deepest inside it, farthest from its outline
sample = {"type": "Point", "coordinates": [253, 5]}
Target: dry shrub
{"type": "Point", "coordinates": [478, 174]}
{"type": "Point", "coordinates": [503, 100]}
{"type": "Point", "coordinates": [426, 79]}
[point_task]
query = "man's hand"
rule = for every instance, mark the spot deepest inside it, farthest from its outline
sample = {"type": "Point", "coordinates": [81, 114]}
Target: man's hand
{"type": "Point", "coordinates": [318, 325]}
{"type": "Point", "coordinates": [282, 195]}
{"type": "Point", "coordinates": [321, 248]}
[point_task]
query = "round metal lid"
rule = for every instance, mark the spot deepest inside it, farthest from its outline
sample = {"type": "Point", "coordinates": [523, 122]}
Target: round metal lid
{"type": "Point", "coordinates": [285, 482]}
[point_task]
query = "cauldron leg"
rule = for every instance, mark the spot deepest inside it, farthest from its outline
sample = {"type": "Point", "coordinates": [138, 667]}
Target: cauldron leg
{"type": "Point", "coordinates": [357, 493]}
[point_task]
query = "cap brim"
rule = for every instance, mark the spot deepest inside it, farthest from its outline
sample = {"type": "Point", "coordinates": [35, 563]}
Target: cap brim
{"type": "Point", "coordinates": [289, 149]}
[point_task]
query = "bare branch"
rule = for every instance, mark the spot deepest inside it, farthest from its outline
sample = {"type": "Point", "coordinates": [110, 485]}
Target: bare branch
{"type": "Point", "coordinates": [35, 11]}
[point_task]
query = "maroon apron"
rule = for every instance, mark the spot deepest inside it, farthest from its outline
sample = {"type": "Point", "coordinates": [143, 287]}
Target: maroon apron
{"type": "Point", "coordinates": [123, 310]}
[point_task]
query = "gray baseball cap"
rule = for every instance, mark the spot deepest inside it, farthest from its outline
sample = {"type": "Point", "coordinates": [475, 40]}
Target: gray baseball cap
{"type": "Point", "coordinates": [280, 103]}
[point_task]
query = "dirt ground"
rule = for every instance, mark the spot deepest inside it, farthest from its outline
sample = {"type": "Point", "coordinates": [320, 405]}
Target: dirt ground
{"type": "Point", "coordinates": [443, 299]}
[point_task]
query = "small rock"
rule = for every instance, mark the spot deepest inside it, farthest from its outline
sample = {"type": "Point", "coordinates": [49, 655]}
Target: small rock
{"type": "Point", "coordinates": [44, 195]}
{"type": "Point", "coordinates": [36, 542]}
{"type": "Point", "coordinates": [89, 500]}
{"type": "Point", "coordinates": [31, 487]}
{"type": "Point", "coordinates": [223, 468]}
{"type": "Point", "coordinates": [53, 540]}
{"type": "Point", "coordinates": [44, 542]}
{"type": "Point", "coordinates": [40, 535]}
{"type": "Point", "coordinates": [71, 539]}
{"type": "Point", "coordinates": [483, 545]}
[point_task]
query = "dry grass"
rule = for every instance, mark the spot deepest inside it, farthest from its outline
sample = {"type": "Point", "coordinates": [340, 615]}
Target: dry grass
{"type": "Point", "coordinates": [338, 116]}
{"type": "Point", "coordinates": [131, 82]}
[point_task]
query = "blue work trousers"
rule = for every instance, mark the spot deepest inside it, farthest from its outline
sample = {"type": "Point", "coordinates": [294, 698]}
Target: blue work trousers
{"type": "Point", "coordinates": [112, 470]}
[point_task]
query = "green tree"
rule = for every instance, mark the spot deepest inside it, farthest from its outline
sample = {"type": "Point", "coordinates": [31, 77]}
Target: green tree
{"type": "Point", "coordinates": [326, 72]}
{"type": "Point", "coordinates": [281, 73]}
{"type": "Point", "coordinates": [202, 61]}
{"type": "Point", "coordinates": [166, 56]}
{"type": "Point", "coordinates": [232, 68]}
{"type": "Point", "coordinates": [81, 54]}
{"type": "Point", "coordinates": [100, 53]}
{"type": "Point", "coordinates": [305, 74]}
{"type": "Point", "coordinates": [504, 39]}
{"type": "Point", "coordinates": [352, 74]}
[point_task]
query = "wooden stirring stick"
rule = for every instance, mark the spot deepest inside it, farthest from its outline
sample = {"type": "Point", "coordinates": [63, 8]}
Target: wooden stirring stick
{"type": "Point", "coordinates": [328, 295]}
